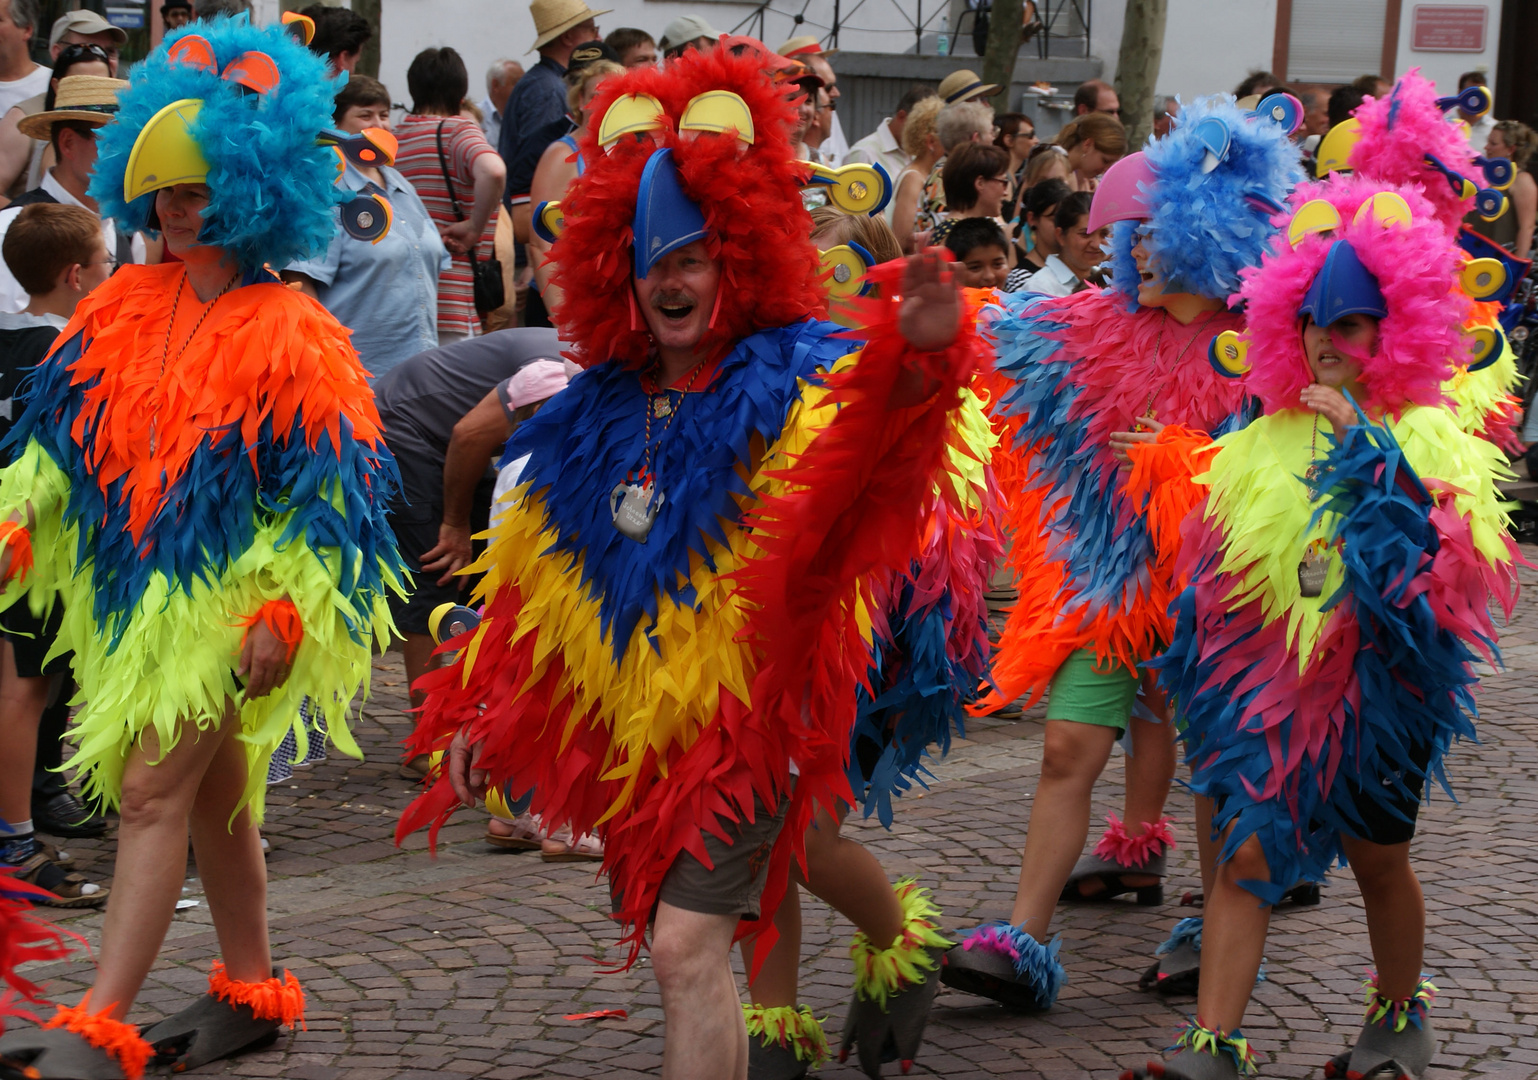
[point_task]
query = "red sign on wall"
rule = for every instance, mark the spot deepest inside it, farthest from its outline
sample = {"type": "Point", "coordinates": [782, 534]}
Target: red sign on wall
{"type": "Point", "coordinates": [1449, 28]}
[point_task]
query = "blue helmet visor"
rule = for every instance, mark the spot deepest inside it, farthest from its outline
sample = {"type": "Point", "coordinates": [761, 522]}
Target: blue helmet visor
{"type": "Point", "coordinates": [1342, 287]}
{"type": "Point", "coordinates": [665, 218]}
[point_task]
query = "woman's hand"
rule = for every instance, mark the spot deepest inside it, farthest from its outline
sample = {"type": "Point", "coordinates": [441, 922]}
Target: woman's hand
{"type": "Point", "coordinates": [930, 315]}
{"type": "Point", "coordinates": [468, 782]}
{"type": "Point", "coordinates": [1329, 403]}
{"type": "Point", "coordinates": [263, 662]}
{"type": "Point", "coordinates": [459, 237]}
{"type": "Point", "coordinates": [1122, 440]}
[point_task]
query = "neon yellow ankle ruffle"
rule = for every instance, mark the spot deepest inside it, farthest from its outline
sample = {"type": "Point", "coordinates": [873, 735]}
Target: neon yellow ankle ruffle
{"type": "Point", "coordinates": [788, 1026]}
{"type": "Point", "coordinates": [880, 973]}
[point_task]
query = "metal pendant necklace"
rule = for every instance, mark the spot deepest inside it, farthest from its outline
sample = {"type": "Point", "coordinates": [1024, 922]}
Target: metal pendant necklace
{"type": "Point", "coordinates": [1315, 566]}
{"type": "Point", "coordinates": [635, 500]}
{"type": "Point", "coordinates": [1148, 408]}
{"type": "Point", "coordinates": [165, 350]}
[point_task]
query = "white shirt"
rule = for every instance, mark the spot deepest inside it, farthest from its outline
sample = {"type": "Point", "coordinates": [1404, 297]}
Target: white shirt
{"type": "Point", "coordinates": [880, 147]}
{"type": "Point", "coordinates": [835, 146]}
{"type": "Point", "coordinates": [19, 90]}
{"type": "Point", "coordinates": [12, 296]}
{"type": "Point", "coordinates": [1479, 131]}
{"type": "Point", "coordinates": [492, 125]}
{"type": "Point", "coordinates": [1053, 279]}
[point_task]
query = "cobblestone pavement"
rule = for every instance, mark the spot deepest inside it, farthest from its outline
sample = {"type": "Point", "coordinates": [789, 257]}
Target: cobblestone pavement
{"type": "Point", "coordinates": [465, 965]}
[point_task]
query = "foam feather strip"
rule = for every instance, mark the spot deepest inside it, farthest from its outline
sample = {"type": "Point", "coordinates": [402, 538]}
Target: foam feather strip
{"type": "Point", "coordinates": [1286, 696]}
{"type": "Point", "coordinates": [879, 973]}
{"type": "Point", "coordinates": [1081, 368]}
{"type": "Point", "coordinates": [1036, 965]}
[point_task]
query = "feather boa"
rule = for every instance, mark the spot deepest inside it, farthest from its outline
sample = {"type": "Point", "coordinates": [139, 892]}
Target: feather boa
{"type": "Point", "coordinates": [1286, 696]}
{"type": "Point", "coordinates": [1416, 266]}
{"type": "Point", "coordinates": [1398, 130]}
{"type": "Point", "coordinates": [1207, 225]}
{"type": "Point", "coordinates": [271, 186]}
{"type": "Point", "coordinates": [749, 194]}
{"type": "Point", "coordinates": [1088, 570]}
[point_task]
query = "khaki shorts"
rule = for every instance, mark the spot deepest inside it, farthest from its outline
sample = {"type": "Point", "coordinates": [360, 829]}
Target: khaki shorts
{"type": "Point", "coordinates": [741, 868]}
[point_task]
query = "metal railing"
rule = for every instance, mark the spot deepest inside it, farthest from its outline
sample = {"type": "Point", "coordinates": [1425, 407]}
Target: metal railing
{"type": "Point", "coordinates": [1062, 21]}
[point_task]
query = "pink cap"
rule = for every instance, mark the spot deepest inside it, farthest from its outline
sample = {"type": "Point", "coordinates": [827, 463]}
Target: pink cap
{"type": "Point", "coordinates": [1117, 196]}
{"type": "Point", "coordinates": [536, 381]}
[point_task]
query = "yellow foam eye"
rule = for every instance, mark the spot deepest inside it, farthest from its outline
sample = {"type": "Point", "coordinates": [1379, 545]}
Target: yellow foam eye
{"type": "Point", "coordinates": [1229, 354]}
{"type": "Point", "coordinates": [1484, 344]}
{"type": "Point", "coordinates": [1386, 208]}
{"type": "Point", "coordinates": [549, 221]}
{"type": "Point", "coordinates": [1482, 278]}
{"type": "Point", "coordinates": [1314, 216]}
{"type": "Point", "coordinates": [855, 188]}
{"type": "Point", "coordinates": [1334, 153]}
{"type": "Point", "coordinates": [630, 115]}
{"type": "Point", "coordinates": [845, 268]}
{"type": "Point", "coordinates": [718, 111]}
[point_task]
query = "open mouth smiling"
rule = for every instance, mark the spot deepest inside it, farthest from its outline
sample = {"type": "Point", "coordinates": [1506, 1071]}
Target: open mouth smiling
{"type": "Point", "coordinates": [675, 310]}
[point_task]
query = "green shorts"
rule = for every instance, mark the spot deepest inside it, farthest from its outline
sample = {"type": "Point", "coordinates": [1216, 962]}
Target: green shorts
{"type": "Point", "coordinates": [1083, 693]}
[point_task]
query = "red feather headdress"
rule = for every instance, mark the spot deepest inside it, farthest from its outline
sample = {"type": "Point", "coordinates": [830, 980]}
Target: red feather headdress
{"type": "Point", "coordinates": [748, 192]}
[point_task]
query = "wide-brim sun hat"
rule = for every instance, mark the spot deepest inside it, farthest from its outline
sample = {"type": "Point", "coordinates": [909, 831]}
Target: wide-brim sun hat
{"type": "Point", "coordinates": [88, 98]}
{"type": "Point", "coordinates": [552, 18]}
{"type": "Point", "coordinates": [799, 48]}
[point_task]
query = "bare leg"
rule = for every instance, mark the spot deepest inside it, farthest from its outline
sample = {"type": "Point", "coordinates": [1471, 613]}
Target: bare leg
{"type": "Point", "coordinates": [1234, 927]}
{"type": "Point", "coordinates": [1206, 846]}
{"type": "Point", "coordinates": [777, 983]}
{"type": "Point", "coordinates": [151, 860]}
{"type": "Point", "coordinates": [21, 707]}
{"type": "Point", "coordinates": [847, 877]}
{"type": "Point", "coordinates": [1073, 757]}
{"type": "Point", "coordinates": [230, 863]}
{"type": "Point", "coordinates": [417, 651]}
{"type": "Point", "coordinates": [1396, 913]}
{"type": "Point", "coordinates": [691, 958]}
{"type": "Point", "coordinates": [1151, 767]}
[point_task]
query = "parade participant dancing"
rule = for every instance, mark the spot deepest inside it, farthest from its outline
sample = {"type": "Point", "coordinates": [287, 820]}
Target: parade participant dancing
{"type": "Point", "coordinates": [677, 614]}
{"type": "Point", "coordinates": [931, 652]}
{"type": "Point", "coordinates": [202, 485]}
{"type": "Point", "coordinates": [1094, 374]}
{"type": "Point", "coordinates": [1340, 575]}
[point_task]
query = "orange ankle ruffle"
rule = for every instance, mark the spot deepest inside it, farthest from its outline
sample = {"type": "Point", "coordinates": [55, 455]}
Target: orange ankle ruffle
{"type": "Point", "coordinates": [117, 1038]}
{"type": "Point", "coordinates": [271, 999]}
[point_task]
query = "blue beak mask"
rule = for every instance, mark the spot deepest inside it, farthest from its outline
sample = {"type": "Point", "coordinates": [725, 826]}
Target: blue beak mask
{"type": "Point", "coordinates": [665, 218]}
{"type": "Point", "coordinates": [1342, 287]}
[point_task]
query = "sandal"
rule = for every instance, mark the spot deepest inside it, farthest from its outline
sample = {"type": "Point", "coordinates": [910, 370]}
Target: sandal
{"type": "Point", "coordinates": [526, 834]}
{"type": "Point", "coordinates": [65, 888]}
{"type": "Point", "coordinates": [559, 847]}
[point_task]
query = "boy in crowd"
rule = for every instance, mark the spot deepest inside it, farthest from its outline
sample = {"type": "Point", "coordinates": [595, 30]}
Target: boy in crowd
{"type": "Point", "coordinates": [978, 244]}
{"type": "Point", "coordinates": [57, 254]}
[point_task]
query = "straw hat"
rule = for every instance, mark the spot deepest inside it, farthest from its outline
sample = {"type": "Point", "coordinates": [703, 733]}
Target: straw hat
{"type": "Point", "coordinates": [799, 48]}
{"type": "Point", "coordinates": [552, 18]}
{"type": "Point", "coordinates": [965, 85]}
{"type": "Point", "coordinates": [91, 98]}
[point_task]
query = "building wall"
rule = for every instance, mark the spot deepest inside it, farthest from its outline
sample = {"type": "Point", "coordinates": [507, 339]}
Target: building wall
{"type": "Point", "coordinates": [1444, 68]}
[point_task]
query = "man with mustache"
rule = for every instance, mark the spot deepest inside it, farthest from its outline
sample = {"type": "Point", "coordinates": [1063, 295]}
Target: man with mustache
{"type": "Point", "coordinates": [675, 619]}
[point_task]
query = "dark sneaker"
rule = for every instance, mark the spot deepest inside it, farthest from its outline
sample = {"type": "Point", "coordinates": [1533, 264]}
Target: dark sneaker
{"type": "Point", "coordinates": [65, 815]}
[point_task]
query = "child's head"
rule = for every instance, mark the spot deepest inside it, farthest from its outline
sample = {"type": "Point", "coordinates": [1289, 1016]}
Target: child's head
{"type": "Point", "coordinates": [58, 252]}
{"type": "Point", "coordinates": [1037, 207]}
{"type": "Point", "coordinates": [979, 246]}
{"type": "Point", "coordinates": [1078, 247]}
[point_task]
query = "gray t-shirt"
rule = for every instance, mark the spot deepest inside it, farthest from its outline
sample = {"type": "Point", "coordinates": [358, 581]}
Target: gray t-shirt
{"type": "Point", "coordinates": [421, 399]}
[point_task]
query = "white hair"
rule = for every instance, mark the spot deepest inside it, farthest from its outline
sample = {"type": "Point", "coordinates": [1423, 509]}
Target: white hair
{"type": "Point", "coordinates": [498, 70]}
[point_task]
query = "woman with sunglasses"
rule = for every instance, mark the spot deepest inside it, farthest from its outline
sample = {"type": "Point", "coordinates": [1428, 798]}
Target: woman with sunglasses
{"type": "Point", "coordinates": [977, 184]}
{"type": "Point", "coordinates": [22, 160]}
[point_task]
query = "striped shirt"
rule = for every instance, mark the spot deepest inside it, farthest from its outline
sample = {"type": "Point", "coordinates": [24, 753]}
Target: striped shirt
{"type": "Point", "coordinates": [417, 161]}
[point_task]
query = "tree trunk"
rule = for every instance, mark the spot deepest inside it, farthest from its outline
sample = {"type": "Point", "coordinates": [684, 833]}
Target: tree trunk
{"type": "Point", "coordinates": [1137, 68]}
{"type": "Point", "coordinates": [368, 63]}
{"type": "Point", "coordinates": [1003, 45]}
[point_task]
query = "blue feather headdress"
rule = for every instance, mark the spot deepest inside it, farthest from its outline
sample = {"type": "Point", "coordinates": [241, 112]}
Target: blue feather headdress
{"type": "Point", "coordinates": [1209, 221]}
{"type": "Point", "coordinates": [272, 186]}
